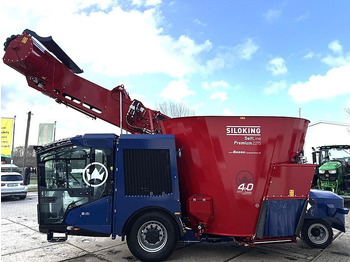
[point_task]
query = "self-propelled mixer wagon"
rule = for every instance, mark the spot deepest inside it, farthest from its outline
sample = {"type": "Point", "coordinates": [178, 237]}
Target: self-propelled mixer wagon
{"type": "Point", "coordinates": [170, 180]}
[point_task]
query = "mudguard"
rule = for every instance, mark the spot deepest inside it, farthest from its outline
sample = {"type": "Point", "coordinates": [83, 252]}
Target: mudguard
{"type": "Point", "coordinates": [327, 206]}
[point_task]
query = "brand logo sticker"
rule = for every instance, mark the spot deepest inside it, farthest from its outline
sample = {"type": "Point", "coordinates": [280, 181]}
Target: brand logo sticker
{"type": "Point", "coordinates": [95, 174]}
{"type": "Point", "coordinates": [243, 130]}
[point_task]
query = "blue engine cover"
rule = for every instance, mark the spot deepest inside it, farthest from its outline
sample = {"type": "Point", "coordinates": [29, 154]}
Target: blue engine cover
{"type": "Point", "coordinates": [144, 162]}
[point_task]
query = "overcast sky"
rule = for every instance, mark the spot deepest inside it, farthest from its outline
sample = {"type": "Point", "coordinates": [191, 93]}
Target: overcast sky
{"type": "Point", "coordinates": [219, 57]}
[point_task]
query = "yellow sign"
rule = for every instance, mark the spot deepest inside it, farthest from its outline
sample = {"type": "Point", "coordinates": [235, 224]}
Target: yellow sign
{"type": "Point", "coordinates": [6, 136]}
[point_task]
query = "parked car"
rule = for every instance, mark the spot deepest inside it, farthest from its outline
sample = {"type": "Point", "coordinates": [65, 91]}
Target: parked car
{"type": "Point", "coordinates": [12, 185]}
{"type": "Point", "coordinates": [10, 168]}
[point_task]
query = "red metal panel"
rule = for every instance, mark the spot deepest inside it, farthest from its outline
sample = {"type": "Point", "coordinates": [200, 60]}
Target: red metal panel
{"type": "Point", "coordinates": [230, 159]}
{"type": "Point", "coordinates": [200, 210]}
{"type": "Point", "coordinates": [290, 181]}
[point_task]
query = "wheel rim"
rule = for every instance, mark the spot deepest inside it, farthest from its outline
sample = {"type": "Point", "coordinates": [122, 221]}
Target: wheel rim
{"type": "Point", "coordinates": [318, 233]}
{"type": "Point", "coordinates": [152, 236]}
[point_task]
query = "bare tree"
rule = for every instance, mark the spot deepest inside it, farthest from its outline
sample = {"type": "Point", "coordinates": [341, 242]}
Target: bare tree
{"type": "Point", "coordinates": [18, 154]}
{"type": "Point", "coordinates": [174, 109]}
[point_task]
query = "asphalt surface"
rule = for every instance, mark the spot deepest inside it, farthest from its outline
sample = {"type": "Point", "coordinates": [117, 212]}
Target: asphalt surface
{"type": "Point", "coordinates": [21, 241]}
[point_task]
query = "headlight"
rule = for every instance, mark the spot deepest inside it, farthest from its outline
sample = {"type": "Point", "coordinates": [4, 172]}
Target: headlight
{"type": "Point", "coordinates": [321, 171]}
{"type": "Point", "coordinates": [334, 171]}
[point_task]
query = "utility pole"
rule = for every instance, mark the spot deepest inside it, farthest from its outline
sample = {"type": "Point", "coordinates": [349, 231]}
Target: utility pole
{"type": "Point", "coordinates": [54, 132]}
{"type": "Point", "coordinates": [26, 141]}
{"type": "Point", "coordinates": [13, 140]}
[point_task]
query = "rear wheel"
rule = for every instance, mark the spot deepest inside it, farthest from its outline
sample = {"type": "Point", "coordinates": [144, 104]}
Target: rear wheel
{"type": "Point", "coordinates": [317, 233]}
{"type": "Point", "coordinates": [23, 197]}
{"type": "Point", "coordinates": [152, 237]}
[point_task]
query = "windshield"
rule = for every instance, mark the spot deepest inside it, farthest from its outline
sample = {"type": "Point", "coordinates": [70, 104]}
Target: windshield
{"type": "Point", "coordinates": [335, 154]}
{"type": "Point", "coordinates": [70, 176]}
{"type": "Point", "coordinates": [7, 178]}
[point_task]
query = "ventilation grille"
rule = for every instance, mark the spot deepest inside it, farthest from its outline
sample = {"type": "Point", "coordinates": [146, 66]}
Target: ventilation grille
{"type": "Point", "coordinates": [147, 172]}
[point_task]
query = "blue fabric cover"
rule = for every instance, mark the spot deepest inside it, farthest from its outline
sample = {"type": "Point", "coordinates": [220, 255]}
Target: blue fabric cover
{"type": "Point", "coordinates": [282, 217]}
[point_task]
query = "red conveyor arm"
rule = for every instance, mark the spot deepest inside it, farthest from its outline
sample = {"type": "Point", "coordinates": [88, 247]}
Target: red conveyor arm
{"type": "Point", "coordinates": [55, 76]}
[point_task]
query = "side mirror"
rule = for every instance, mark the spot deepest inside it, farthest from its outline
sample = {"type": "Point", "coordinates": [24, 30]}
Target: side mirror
{"type": "Point", "coordinates": [26, 179]}
{"type": "Point", "coordinates": [314, 159]}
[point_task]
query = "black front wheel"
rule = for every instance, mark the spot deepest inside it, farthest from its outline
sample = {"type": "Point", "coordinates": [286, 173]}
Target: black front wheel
{"type": "Point", "coordinates": [317, 233]}
{"type": "Point", "coordinates": [152, 237]}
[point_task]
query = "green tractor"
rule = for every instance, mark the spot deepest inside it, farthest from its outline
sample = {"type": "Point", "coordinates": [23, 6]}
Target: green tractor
{"type": "Point", "coordinates": [333, 168]}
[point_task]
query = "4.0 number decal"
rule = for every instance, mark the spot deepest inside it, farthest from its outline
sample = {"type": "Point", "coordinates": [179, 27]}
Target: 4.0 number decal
{"type": "Point", "coordinates": [245, 182]}
{"type": "Point", "coordinates": [246, 187]}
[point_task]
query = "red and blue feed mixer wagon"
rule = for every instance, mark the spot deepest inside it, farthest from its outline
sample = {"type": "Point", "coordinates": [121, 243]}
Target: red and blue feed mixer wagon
{"type": "Point", "coordinates": [172, 179]}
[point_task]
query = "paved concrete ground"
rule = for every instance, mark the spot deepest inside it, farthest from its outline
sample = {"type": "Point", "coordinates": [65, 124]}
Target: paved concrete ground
{"type": "Point", "coordinates": [21, 241]}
